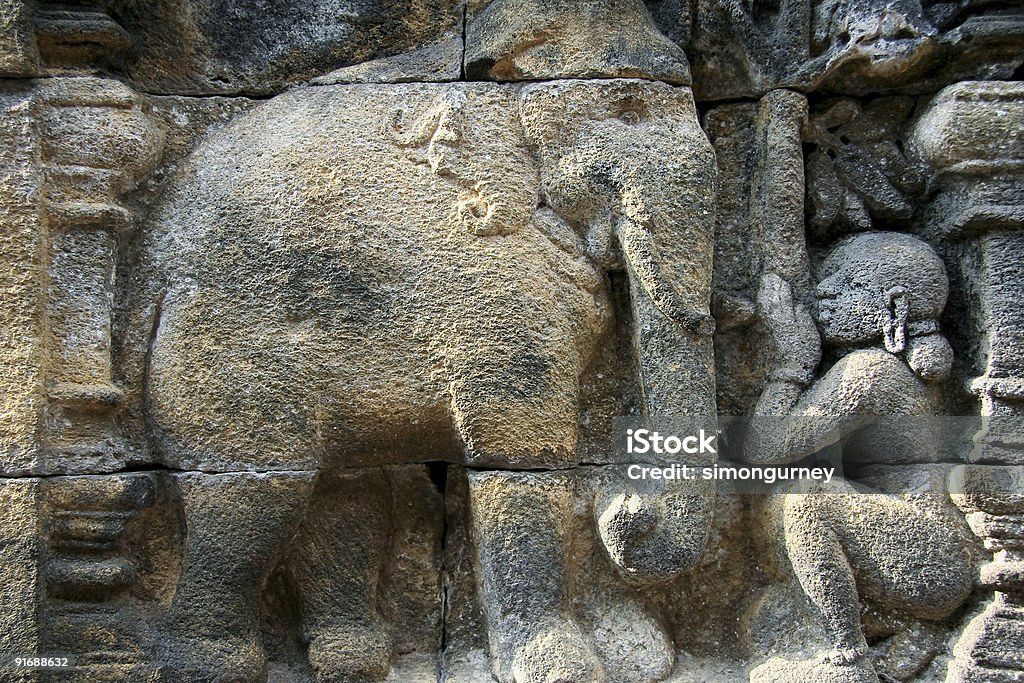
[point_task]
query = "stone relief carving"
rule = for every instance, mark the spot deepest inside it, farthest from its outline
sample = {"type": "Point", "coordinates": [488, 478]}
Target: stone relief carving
{"type": "Point", "coordinates": [324, 321]}
{"type": "Point", "coordinates": [880, 294]}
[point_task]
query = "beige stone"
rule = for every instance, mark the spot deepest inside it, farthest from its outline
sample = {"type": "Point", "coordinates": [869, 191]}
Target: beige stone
{"type": "Point", "coordinates": [21, 588]}
{"type": "Point", "coordinates": [19, 55]}
{"type": "Point", "coordinates": [22, 250]}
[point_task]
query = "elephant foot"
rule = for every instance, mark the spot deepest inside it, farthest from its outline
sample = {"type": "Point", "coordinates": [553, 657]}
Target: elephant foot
{"type": "Point", "coordinates": [350, 655]}
{"type": "Point", "coordinates": [642, 651]}
{"type": "Point", "coordinates": [214, 660]}
{"type": "Point", "coordinates": [559, 655]}
{"type": "Point", "coordinates": [815, 670]}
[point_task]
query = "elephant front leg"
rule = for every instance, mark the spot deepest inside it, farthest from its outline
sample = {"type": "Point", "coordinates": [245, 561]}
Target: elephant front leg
{"type": "Point", "coordinates": [235, 526]}
{"type": "Point", "coordinates": [520, 523]}
{"type": "Point", "coordinates": [337, 564]}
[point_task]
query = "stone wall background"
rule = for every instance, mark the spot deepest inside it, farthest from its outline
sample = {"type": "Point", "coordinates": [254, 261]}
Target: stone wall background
{"type": "Point", "coordinates": [826, 119]}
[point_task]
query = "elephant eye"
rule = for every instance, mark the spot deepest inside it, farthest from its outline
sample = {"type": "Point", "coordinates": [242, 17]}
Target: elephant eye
{"type": "Point", "coordinates": [629, 110]}
{"type": "Point", "coordinates": [630, 117]}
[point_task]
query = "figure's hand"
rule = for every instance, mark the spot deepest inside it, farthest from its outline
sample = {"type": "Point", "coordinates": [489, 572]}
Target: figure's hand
{"type": "Point", "coordinates": [797, 342]}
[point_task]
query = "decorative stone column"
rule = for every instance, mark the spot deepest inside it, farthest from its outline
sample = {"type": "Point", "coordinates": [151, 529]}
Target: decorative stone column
{"type": "Point", "coordinates": [96, 141]}
{"type": "Point", "coordinates": [87, 520]}
{"type": "Point", "coordinates": [972, 137]}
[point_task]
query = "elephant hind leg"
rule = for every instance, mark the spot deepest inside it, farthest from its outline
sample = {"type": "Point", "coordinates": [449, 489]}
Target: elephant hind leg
{"type": "Point", "coordinates": [338, 555]}
{"type": "Point", "coordinates": [236, 525]}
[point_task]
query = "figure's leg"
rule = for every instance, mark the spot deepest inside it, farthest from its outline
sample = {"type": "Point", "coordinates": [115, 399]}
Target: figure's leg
{"type": "Point", "coordinates": [235, 525]}
{"type": "Point", "coordinates": [520, 524]}
{"type": "Point", "coordinates": [909, 651]}
{"type": "Point", "coordinates": [820, 564]}
{"type": "Point", "coordinates": [338, 556]}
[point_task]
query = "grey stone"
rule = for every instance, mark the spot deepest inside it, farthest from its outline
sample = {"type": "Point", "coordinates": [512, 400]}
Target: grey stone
{"type": "Point", "coordinates": [512, 40]}
{"type": "Point", "coordinates": [854, 47]}
{"type": "Point", "coordinates": [19, 54]}
{"type": "Point", "coordinates": [205, 47]}
{"type": "Point", "coordinates": [441, 62]}
{"type": "Point", "coordinates": [760, 218]}
{"type": "Point", "coordinates": [492, 220]}
{"type": "Point", "coordinates": [21, 554]}
{"type": "Point", "coordinates": [904, 553]}
{"type": "Point", "coordinates": [858, 175]}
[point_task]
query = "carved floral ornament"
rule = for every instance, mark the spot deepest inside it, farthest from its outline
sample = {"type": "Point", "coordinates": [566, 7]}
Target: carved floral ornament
{"type": "Point", "coordinates": [603, 341]}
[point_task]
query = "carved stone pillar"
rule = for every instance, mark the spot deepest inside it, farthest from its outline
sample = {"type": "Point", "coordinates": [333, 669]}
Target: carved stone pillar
{"type": "Point", "coordinates": [972, 136]}
{"type": "Point", "coordinates": [96, 141]}
{"type": "Point", "coordinates": [87, 520]}
{"type": "Point", "coordinates": [760, 228]}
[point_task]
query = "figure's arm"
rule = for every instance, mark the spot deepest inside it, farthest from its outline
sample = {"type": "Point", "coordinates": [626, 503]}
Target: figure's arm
{"type": "Point", "coordinates": [790, 422]}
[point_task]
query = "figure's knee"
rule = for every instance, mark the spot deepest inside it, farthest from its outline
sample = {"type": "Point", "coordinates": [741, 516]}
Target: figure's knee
{"type": "Point", "coordinates": [935, 581]}
{"type": "Point", "coordinates": [805, 516]}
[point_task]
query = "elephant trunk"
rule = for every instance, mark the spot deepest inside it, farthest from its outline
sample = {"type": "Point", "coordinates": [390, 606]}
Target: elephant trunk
{"type": "Point", "coordinates": [655, 529]}
{"type": "Point", "coordinates": [639, 162]}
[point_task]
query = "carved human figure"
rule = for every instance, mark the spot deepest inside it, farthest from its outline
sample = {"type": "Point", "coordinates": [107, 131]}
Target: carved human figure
{"type": "Point", "coordinates": [900, 549]}
{"type": "Point", "coordinates": [351, 276]}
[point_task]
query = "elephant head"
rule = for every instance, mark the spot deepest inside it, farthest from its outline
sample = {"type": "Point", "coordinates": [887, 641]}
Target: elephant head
{"type": "Point", "coordinates": [628, 166]}
{"type": "Point", "coordinates": [627, 159]}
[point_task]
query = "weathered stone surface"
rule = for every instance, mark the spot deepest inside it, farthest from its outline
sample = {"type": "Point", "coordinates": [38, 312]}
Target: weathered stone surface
{"type": "Point", "coordinates": [475, 161]}
{"type": "Point", "coordinates": [21, 553]}
{"type": "Point", "coordinates": [492, 221]}
{"type": "Point", "coordinates": [441, 62]}
{"type": "Point", "coordinates": [858, 175]}
{"type": "Point", "coordinates": [18, 52]}
{"type": "Point", "coordinates": [855, 48]}
{"type": "Point", "coordinates": [228, 47]}
{"type": "Point", "coordinates": [511, 40]}
{"type": "Point", "coordinates": [760, 228]}
{"type": "Point", "coordinates": [889, 552]}
{"type": "Point", "coordinates": [98, 141]}
{"type": "Point", "coordinates": [958, 133]}
{"type": "Point", "coordinates": [318, 365]}
{"type": "Point", "coordinates": [22, 251]}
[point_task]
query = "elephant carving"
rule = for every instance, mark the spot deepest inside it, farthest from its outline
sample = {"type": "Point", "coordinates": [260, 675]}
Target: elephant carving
{"type": "Point", "coordinates": [357, 276]}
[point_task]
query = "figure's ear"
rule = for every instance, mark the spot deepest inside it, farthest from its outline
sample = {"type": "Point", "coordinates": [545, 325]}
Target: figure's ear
{"type": "Point", "coordinates": [894, 328]}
